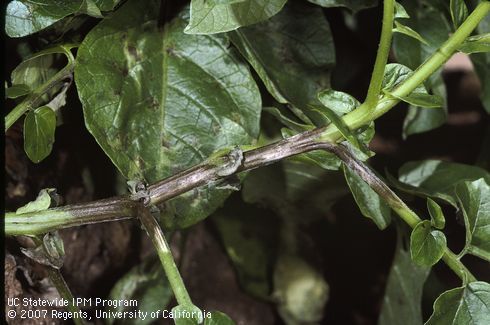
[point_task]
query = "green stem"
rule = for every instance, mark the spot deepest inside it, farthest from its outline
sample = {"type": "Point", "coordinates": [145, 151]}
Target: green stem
{"type": "Point", "coordinates": [364, 114]}
{"type": "Point", "coordinates": [160, 243]}
{"type": "Point", "coordinates": [382, 55]}
{"type": "Point", "coordinates": [35, 98]}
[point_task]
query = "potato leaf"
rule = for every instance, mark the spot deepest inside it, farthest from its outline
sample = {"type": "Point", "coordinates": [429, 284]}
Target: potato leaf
{"type": "Point", "coordinates": [427, 245]}
{"type": "Point", "coordinates": [353, 5]}
{"type": "Point", "coordinates": [437, 219]}
{"type": "Point", "coordinates": [39, 128]}
{"type": "Point", "coordinates": [218, 318]}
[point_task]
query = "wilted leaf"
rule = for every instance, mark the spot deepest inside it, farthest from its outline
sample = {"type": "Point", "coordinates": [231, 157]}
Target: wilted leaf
{"type": "Point", "coordinates": [435, 178]}
{"type": "Point", "coordinates": [147, 284]}
{"type": "Point", "coordinates": [39, 128]}
{"type": "Point", "coordinates": [468, 305]}
{"type": "Point", "coordinates": [209, 17]}
{"type": "Point", "coordinates": [427, 245]}
{"type": "Point", "coordinates": [159, 101]}
{"type": "Point", "coordinates": [474, 198]}
{"type": "Point", "coordinates": [292, 53]}
{"type": "Point", "coordinates": [370, 203]}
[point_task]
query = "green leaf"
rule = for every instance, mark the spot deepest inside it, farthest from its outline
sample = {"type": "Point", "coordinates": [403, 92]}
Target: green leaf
{"type": "Point", "coordinates": [41, 203]}
{"type": "Point", "coordinates": [287, 121]}
{"type": "Point", "coordinates": [187, 315]}
{"type": "Point", "coordinates": [90, 8]}
{"type": "Point", "coordinates": [400, 28]}
{"type": "Point", "coordinates": [106, 5]}
{"type": "Point", "coordinates": [427, 245]}
{"type": "Point", "coordinates": [300, 290]}
{"type": "Point", "coordinates": [218, 318]}
{"type": "Point", "coordinates": [434, 28]}
{"type": "Point", "coordinates": [147, 284]}
{"type": "Point", "coordinates": [476, 44]}
{"type": "Point", "coordinates": [338, 101]}
{"type": "Point", "coordinates": [370, 203]}
{"type": "Point", "coordinates": [437, 217]}
{"type": "Point", "coordinates": [292, 53]}
{"type": "Point", "coordinates": [400, 12]}
{"type": "Point", "coordinates": [39, 128]}
{"type": "Point", "coordinates": [481, 62]}
{"type": "Point", "coordinates": [210, 18]}
{"type": "Point", "coordinates": [353, 5]}
{"type": "Point", "coordinates": [17, 91]}
{"type": "Point", "coordinates": [437, 179]}
{"type": "Point", "coordinates": [421, 100]}
{"type": "Point", "coordinates": [474, 198]}
{"type": "Point", "coordinates": [160, 101]}
{"type": "Point", "coordinates": [459, 12]}
{"type": "Point", "coordinates": [468, 305]}
{"type": "Point", "coordinates": [404, 289]}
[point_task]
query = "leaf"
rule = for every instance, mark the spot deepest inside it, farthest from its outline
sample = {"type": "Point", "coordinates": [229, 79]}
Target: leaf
{"type": "Point", "coordinates": [160, 101]}
{"type": "Point", "coordinates": [26, 17]}
{"type": "Point", "coordinates": [400, 12]}
{"type": "Point", "coordinates": [476, 44]}
{"type": "Point", "coordinates": [404, 289]}
{"type": "Point", "coordinates": [372, 206]}
{"type": "Point", "coordinates": [148, 285]}
{"type": "Point", "coordinates": [353, 5]}
{"type": "Point", "coordinates": [434, 29]}
{"type": "Point", "coordinates": [427, 245]}
{"type": "Point", "coordinates": [39, 128]}
{"type": "Point", "coordinates": [210, 18]}
{"type": "Point", "coordinates": [218, 318]}
{"type": "Point", "coordinates": [481, 63]}
{"type": "Point", "coordinates": [17, 91]}
{"type": "Point", "coordinates": [459, 12]}
{"type": "Point", "coordinates": [422, 100]}
{"type": "Point", "coordinates": [41, 203]}
{"type": "Point", "coordinates": [106, 5]}
{"type": "Point", "coordinates": [287, 121]}
{"type": "Point", "coordinates": [181, 315]}
{"type": "Point", "coordinates": [438, 179]}
{"type": "Point", "coordinates": [474, 198]}
{"type": "Point", "coordinates": [400, 28]}
{"type": "Point", "coordinates": [437, 217]}
{"type": "Point", "coordinates": [469, 305]}
{"type": "Point", "coordinates": [292, 53]}
{"type": "Point", "coordinates": [338, 101]}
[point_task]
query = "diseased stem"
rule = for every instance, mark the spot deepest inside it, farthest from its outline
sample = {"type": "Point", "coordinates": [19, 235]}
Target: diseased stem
{"type": "Point", "coordinates": [160, 243]}
{"type": "Point", "coordinates": [382, 55]}
{"type": "Point", "coordinates": [398, 206]}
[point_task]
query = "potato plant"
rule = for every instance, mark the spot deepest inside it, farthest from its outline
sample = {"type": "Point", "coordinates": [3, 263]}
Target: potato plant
{"type": "Point", "coordinates": [215, 108]}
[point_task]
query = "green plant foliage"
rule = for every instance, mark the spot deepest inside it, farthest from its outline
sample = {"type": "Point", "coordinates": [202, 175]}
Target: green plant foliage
{"type": "Point", "coordinates": [42, 202]}
{"type": "Point", "coordinates": [218, 318]}
{"type": "Point", "coordinates": [39, 128]}
{"type": "Point", "coordinates": [476, 44]}
{"type": "Point", "coordinates": [474, 198]}
{"type": "Point", "coordinates": [370, 203]}
{"type": "Point", "coordinates": [353, 5]}
{"type": "Point", "coordinates": [210, 18]}
{"type": "Point", "coordinates": [147, 284]}
{"type": "Point", "coordinates": [159, 101]}
{"type": "Point", "coordinates": [469, 305]}
{"type": "Point", "coordinates": [187, 315]}
{"type": "Point", "coordinates": [400, 28]}
{"type": "Point", "coordinates": [17, 91]}
{"type": "Point", "coordinates": [435, 178]}
{"type": "Point", "coordinates": [459, 12]}
{"type": "Point", "coordinates": [403, 293]}
{"type": "Point", "coordinates": [292, 53]}
{"type": "Point", "coordinates": [427, 245]}
{"type": "Point", "coordinates": [481, 62]}
{"type": "Point", "coordinates": [436, 216]}
{"type": "Point", "coordinates": [431, 24]}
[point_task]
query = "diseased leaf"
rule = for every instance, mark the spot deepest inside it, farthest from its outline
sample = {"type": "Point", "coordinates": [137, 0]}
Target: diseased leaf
{"type": "Point", "coordinates": [403, 293]}
{"type": "Point", "coordinates": [459, 12]}
{"type": "Point", "coordinates": [292, 53]}
{"type": "Point", "coordinates": [469, 305]}
{"type": "Point", "coordinates": [218, 318]}
{"type": "Point", "coordinates": [474, 198]}
{"type": "Point", "coordinates": [353, 5]}
{"type": "Point", "coordinates": [437, 179]}
{"type": "Point", "coordinates": [370, 203]}
{"type": "Point", "coordinates": [400, 28]}
{"type": "Point", "coordinates": [187, 315]}
{"type": "Point", "coordinates": [476, 44]}
{"type": "Point", "coordinates": [41, 203]}
{"type": "Point", "coordinates": [159, 101]}
{"type": "Point", "coordinates": [210, 18]}
{"type": "Point", "coordinates": [427, 245]}
{"type": "Point", "coordinates": [39, 128]}
{"type": "Point", "coordinates": [433, 27]}
{"type": "Point", "coordinates": [437, 219]}
{"type": "Point", "coordinates": [148, 285]}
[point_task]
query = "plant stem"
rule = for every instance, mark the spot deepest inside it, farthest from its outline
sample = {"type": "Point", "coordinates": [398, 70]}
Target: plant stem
{"type": "Point", "coordinates": [160, 243]}
{"type": "Point", "coordinates": [382, 55]}
{"type": "Point", "coordinates": [35, 98]}
{"type": "Point", "coordinates": [397, 204]}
